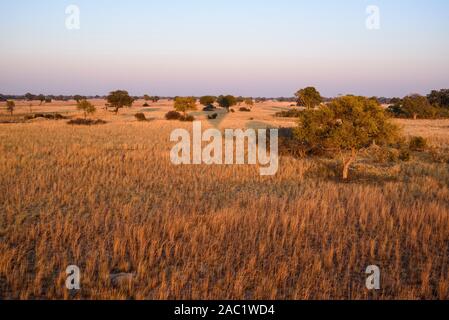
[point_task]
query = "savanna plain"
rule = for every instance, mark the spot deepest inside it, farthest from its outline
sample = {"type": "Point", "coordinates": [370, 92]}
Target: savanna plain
{"type": "Point", "coordinates": [108, 199]}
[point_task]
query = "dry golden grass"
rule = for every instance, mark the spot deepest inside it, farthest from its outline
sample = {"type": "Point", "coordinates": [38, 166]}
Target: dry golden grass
{"type": "Point", "coordinates": [107, 199]}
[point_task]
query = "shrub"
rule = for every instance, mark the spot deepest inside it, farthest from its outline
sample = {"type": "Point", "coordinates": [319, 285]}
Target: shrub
{"type": "Point", "coordinates": [140, 116]}
{"type": "Point", "coordinates": [146, 104]}
{"type": "Point", "coordinates": [85, 122]}
{"type": "Point", "coordinates": [54, 116]}
{"type": "Point", "coordinates": [243, 109]}
{"type": "Point", "coordinates": [418, 144]}
{"type": "Point", "coordinates": [173, 115]}
{"type": "Point", "coordinates": [212, 116]}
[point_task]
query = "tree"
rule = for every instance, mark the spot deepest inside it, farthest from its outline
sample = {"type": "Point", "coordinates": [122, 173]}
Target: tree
{"type": "Point", "coordinates": [30, 96]}
{"type": "Point", "coordinates": [119, 99]}
{"type": "Point", "coordinates": [78, 98]}
{"type": "Point", "coordinates": [155, 99]}
{"type": "Point", "coordinates": [41, 98]}
{"type": "Point", "coordinates": [207, 100]}
{"type": "Point", "coordinates": [416, 106]}
{"type": "Point", "coordinates": [10, 106]}
{"type": "Point", "coordinates": [86, 107]}
{"type": "Point", "coordinates": [239, 100]}
{"type": "Point", "coordinates": [146, 97]}
{"type": "Point", "coordinates": [227, 101]}
{"type": "Point", "coordinates": [345, 126]}
{"type": "Point", "coordinates": [184, 104]}
{"type": "Point", "coordinates": [439, 98]}
{"type": "Point", "coordinates": [249, 102]}
{"type": "Point", "coordinates": [308, 97]}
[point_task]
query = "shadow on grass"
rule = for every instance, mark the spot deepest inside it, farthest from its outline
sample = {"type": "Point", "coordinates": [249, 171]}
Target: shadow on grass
{"type": "Point", "coordinates": [360, 173]}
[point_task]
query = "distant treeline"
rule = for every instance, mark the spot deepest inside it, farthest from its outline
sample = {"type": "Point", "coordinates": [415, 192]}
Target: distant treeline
{"type": "Point", "coordinates": [43, 97]}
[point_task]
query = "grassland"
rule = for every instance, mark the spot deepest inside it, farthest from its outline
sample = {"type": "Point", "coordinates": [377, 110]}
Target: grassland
{"type": "Point", "coordinates": [107, 198]}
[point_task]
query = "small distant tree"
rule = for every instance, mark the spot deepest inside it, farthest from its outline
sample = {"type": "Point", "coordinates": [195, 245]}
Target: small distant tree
{"type": "Point", "coordinates": [86, 107]}
{"type": "Point", "coordinates": [119, 99]}
{"type": "Point", "coordinates": [308, 97]}
{"type": "Point", "coordinates": [240, 100]}
{"type": "Point", "coordinates": [41, 98]}
{"type": "Point", "coordinates": [146, 97]}
{"type": "Point", "coordinates": [345, 126]}
{"type": "Point", "coordinates": [48, 100]}
{"type": "Point", "coordinates": [155, 99]}
{"type": "Point", "coordinates": [439, 98]}
{"type": "Point", "coordinates": [184, 104]}
{"type": "Point", "coordinates": [227, 101]}
{"type": "Point", "coordinates": [78, 98]}
{"type": "Point", "coordinates": [249, 102]}
{"type": "Point", "coordinates": [29, 96]}
{"type": "Point", "coordinates": [415, 106]}
{"type": "Point", "coordinates": [10, 106]}
{"type": "Point", "coordinates": [207, 100]}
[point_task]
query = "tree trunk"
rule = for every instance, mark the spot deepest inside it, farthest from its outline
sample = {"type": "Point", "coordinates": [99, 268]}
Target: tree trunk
{"type": "Point", "coordinates": [415, 116]}
{"type": "Point", "coordinates": [347, 164]}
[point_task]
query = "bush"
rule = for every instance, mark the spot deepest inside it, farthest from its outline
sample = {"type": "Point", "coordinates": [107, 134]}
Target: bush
{"type": "Point", "coordinates": [187, 118]}
{"type": "Point", "coordinates": [140, 116]}
{"type": "Point", "coordinates": [85, 122]}
{"type": "Point", "coordinates": [243, 109]}
{"type": "Point", "coordinates": [146, 104]}
{"type": "Point", "coordinates": [418, 144]}
{"type": "Point", "coordinates": [53, 116]}
{"type": "Point", "coordinates": [173, 115]}
{"type": "Point", "coordinates": [212, 116]}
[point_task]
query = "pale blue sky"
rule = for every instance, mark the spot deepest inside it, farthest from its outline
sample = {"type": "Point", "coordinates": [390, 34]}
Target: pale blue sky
{"type": "Point", "coordinates": [243, 47]}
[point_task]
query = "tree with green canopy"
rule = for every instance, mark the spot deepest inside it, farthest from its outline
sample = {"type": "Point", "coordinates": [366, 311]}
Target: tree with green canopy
{"type": "Point", "coordinates": [227, 101]}
{"type": "Point", "coordinates": [86, 107]}
{"type": "Point", "coordinates": [184, 104]}
{"type": "Point", "coordinates": [119, 99]}
{"type": "Point", "coordinates": [308, 97]}
{"type": "Point", "coordinates": [345, 126]}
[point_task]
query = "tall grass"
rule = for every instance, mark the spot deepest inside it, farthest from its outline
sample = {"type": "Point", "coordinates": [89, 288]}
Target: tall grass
{"type": "Point", "coordinates": [108, 200]}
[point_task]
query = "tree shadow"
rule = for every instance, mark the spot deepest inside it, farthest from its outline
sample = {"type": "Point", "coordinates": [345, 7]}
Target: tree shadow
{"type": "Point", "coordinates": [360, 173]}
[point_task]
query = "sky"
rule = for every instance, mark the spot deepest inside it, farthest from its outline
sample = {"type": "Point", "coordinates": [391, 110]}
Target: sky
{"type": "Point", "coordinates": [253, 48]}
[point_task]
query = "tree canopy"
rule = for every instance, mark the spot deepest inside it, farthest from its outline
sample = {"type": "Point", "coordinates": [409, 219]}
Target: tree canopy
{"type": "Point", "coordinates": [184, 104]}
{"type": "Point", "coordinates": [119, 99]}
{"type": "Point", "coordinates": [346, 125]}
{"type": "Point", "coordinates": [439, 98]}
{"type": "Point", "coordinates": [86, 107]}
{"type": "Point", "coordinates": [227, 101]}
{"type": "Point", "coordinates": [10, 106]}
{"type": "Point", "coordinates": [207, 100]}
{"type": "Point", "coordinates": [308, 97]}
